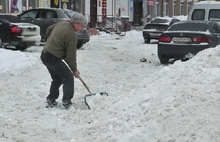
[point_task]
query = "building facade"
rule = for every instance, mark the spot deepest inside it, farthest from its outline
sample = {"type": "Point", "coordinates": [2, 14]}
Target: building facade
{"type": "Point", "coordinates": [18, 6]}
{"type": "Point", "coordinates": [137, 12]}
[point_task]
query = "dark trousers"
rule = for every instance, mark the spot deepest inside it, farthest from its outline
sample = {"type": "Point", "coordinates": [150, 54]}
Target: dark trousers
{"type": "Point", "coordinates": [60, 74]}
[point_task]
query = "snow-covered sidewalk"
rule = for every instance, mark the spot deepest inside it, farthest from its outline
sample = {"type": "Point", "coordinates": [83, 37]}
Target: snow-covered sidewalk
{"type": "Point", "coordinates": [147, 102]}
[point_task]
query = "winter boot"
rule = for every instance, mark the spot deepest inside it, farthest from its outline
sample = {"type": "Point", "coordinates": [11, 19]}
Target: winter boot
{"type": "Point", "coordinates": [67, 104]}
{"type": "Point", "coordinates": [51, 102]}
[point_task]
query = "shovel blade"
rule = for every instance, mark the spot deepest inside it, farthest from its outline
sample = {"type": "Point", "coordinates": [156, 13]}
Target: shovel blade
{"type": "Point", "coordinates": [93, 94]}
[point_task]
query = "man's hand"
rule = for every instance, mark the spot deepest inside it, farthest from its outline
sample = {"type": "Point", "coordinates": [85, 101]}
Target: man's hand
{"type": "Point", "coordinates": [76, 74]}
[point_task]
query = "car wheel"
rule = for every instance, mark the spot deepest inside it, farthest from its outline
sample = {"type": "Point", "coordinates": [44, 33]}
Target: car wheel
{"type": "Point", "coordinates": [147, 40]}
{"type": "Point", "coordinates": [43, 39]}
{"type": "Point", "coordinates": [21, 47]}
{"type": "Point", "coordinates": [164, 59]}
{"type": "Point", "coordinates": [1, 46]}
{"type": "Point", "coordinates": [80, 45]}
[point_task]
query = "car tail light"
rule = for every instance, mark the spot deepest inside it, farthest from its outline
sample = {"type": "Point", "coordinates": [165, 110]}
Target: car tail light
{"type": "Point", "coordinates": [201, 39]}
{"type": "Point", "coordinates": [68, 20]}
{"type": "Point", "coordinates": [16, 29]}
{"type": "Point", "coordinates": [165, 39]}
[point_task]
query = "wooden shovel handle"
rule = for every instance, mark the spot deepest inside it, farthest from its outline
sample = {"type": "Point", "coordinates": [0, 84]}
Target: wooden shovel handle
{"type": "Point", "coordinates": [87, 88]}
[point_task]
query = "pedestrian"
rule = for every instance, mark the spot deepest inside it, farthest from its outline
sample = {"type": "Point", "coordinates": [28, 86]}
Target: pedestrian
{"type": "Point", "coordinates": [59, 56]}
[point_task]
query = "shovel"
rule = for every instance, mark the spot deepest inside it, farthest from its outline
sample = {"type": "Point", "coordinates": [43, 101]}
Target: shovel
{"type": "Point", "coordinates": [90, 94]}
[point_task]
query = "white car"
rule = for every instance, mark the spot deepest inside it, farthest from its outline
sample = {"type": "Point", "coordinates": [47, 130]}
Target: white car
{"type": "Point", "coordinates": [15, 33]}
{"type": "Point", "coordinates": [205, 11]}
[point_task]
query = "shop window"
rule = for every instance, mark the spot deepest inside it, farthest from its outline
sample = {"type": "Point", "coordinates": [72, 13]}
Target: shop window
{"type": "Point", "coordinates": [166, 9]}
{"type": "Point", "coordinates": [2, 6]}
{"type": "Point", "coordinates": [174, 9]}
{"type": "Point", "coordinates": [181, 9]}
{"type": "Point", "coordinates": [28, 4]}
{"type": "Point", "coordinates": [76, 6]}
{"type": "Point", "coordinates": [158, 9]}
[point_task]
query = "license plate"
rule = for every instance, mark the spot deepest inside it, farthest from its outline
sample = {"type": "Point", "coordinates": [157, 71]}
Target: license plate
{"type": "Point", "coordinates": [155, 34]}
{"type": "Point", "coordinates": [31, 29]}
{"type": "Point", "coordinates": [181, 39]}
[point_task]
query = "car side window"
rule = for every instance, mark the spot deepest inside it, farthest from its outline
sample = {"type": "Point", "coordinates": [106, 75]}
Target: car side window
{"type": "Point", "coordinates": [30, 15]}
{"type": "Point", "coordinates": [44, 14]}
{"type": "Point", "coordinates": [198, 14]}
{"type": "Point", "coordinates": [214, 15]}
{"type": "Point", "coordinates": [51, 14]}
{"type": "Point", "coordinates": [216, 28]}
{"type": "Point", "coordinates": [174, 21]}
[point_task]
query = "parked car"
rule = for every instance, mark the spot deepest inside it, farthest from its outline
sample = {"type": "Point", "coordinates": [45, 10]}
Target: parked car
{"type": "Point", "coordinates": [156, 27]}
{"type": "Point", "coordinates": [15, 33]}
{"type": "Point", "coordinates": [185, 39]}
{"type": "Point", "coordinates": [44, 17]}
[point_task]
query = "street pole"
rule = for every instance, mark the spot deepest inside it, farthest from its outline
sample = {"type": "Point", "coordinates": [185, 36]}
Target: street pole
{"type": "Point", "coordinates": [155, 9]}
{"type": "Point", "coordinates": [27, 5]}
{"type": "Point", "coordinates": [144, 12]}
{"type": "Point", "coordinates": [112, 15]}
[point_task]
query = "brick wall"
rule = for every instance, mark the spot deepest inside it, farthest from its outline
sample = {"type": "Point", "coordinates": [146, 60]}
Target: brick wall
{"type": "Point", "coordinates": [161, 7]}
{"type": "Point", "coordinates": [170, 3]}
{"type": "Point", "coordinates": [178, 7]}
{"type": "Point", "coordinates": [185, 8]}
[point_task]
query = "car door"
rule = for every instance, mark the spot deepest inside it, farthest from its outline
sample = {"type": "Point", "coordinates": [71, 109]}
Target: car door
{"type": "Point", "coordinates": [41, 17]}
{"type": "Point", "coordinates": [44, 19]}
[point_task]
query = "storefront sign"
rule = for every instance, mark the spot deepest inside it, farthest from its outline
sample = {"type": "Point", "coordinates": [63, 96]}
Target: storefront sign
{"type": "Point", "coordinates": [104, 8]}
{"type": "Point", "coordinates": [44, 3]}
{"type": "Point", "coordinates": [151, 2]}
{"type": "Point", "coordinates": [65, 4]}
{"type": "Point", "coordinates": [15, 6]}
{"type": "Point", "coordinates": [131, 5]}
{"type": "Point", "coordinates": [56, 2]}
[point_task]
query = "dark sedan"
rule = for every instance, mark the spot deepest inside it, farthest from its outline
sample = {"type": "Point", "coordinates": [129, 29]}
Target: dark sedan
{"type": "Point", "coordinates": [44, 17]}
{"type": "Point", "coordinates": [156, 27]}
{"type": "Point", "coordinates": [185, 39]}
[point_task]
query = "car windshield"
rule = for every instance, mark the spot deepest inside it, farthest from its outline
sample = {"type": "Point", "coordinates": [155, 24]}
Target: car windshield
{"type": "Point", "coordinates": [11, 18]}
{"type": "Point", "coordinates": [70, 13]}
{"type": "Point", "coordinates": [189, 27]}
{"type": "Point", "coordinates": [160, 21]}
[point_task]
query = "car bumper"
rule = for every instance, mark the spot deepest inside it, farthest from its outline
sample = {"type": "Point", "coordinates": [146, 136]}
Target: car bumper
{"type": "Point", "coordinates": [32, 40]}
{"type": "Point", "coordinates": [83, 36]}
{"type": "Point", "coordinates": [83, 40]}
{"type": "Point", "coordinates": [179, 51]}
{"type": "Point", "coordinates": [151, 35]}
